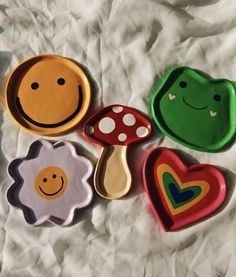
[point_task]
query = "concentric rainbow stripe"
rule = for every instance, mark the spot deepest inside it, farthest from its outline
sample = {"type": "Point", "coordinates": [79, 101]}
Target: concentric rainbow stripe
{"type": "Point", "coordinates": [204, 187]}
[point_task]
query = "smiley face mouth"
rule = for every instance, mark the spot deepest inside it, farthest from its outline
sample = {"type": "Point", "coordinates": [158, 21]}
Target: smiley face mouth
{"type": "Point", "coordinates": [195, 108]}
{"type": "Point", "coordinates": [51, 194]}
{"type": "Point", "coordinates": [51, 125]}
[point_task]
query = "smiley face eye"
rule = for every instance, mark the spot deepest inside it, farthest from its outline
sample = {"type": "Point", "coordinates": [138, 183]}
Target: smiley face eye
{"type": "Point", "coordinates": [54, 176]}
{"type": "Point", "coordinates": [183, 84]}
{"type": "Point", "coordinates": [61, 81]}
{"type": "Point", "coordinates": [217, 97]}
{"type": "Point", "coordinates": [44, 180]}
{"type": "Point", "coordinates": [34, 85]}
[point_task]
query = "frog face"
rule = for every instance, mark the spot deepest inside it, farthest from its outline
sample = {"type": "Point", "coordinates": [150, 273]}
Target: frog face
{"type": "Point", "coordinates": [195, 110]}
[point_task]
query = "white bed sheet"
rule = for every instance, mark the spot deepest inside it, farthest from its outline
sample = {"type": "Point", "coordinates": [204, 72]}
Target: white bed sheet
{"type": "Point", "coordinates": [125, 45]}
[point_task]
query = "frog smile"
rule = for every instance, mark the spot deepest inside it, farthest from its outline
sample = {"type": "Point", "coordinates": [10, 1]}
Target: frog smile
{"type": "Point", "coordinates": [191, 106]}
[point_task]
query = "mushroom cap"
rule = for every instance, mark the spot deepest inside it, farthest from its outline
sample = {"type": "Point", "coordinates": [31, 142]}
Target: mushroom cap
{"type": "Point", "coordinates": [117, 125]}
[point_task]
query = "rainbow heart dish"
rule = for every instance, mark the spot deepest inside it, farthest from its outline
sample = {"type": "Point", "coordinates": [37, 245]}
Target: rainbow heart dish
{"type": "Point", "coordinates": [181, 194]}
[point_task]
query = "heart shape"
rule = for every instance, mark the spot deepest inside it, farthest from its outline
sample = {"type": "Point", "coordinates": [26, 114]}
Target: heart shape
{"type": "Point", "coordinates": [171, 96]}
{"type": "Point", "coordinates": [177, 195]}
{"type": "Point", "coordinates": [181, 195]}
{"type": "Point", "coordinates": [213, 114]}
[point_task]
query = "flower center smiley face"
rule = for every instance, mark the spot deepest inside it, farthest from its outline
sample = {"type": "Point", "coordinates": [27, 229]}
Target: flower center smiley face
{"type": "Point", "coordinates": [48, 94]}
{"type": "Point", "coordinates": [51, 182]}
{"type": "Point", "coordinates": [195, 110]}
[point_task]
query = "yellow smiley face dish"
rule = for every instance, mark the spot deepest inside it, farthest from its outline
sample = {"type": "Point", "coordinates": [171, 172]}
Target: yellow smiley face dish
{"type": "Point", "coordinates": [48, 94]}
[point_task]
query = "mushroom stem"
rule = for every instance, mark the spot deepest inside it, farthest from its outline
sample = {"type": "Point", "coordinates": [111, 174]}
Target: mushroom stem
{"type": "Point", "coordinates": [112, 177]}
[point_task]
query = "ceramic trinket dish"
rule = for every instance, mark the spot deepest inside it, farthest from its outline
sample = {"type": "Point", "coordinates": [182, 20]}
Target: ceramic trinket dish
{"type": "Point", "coordinates": [115, 127]}
{"type": "Point", "coordinates": [181, 195]}
{"type": "Point", "coordinates": [48, 95]}
{"type": "Point", "coordinates": [50, 183]}
{"type": "Point", "coordinates": [194, 109]}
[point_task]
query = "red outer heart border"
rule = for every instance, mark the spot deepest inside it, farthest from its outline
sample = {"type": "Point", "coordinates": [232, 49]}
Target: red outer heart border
{"type": "Point", "coordinates": [206, 206]}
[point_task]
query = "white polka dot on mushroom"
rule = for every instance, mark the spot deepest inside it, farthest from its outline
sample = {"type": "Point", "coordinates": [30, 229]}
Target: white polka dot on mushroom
{"type": "Point", "coordinates": [117, 109]}
{"type": "Point", "coordinates": [122, 137]}
{"type": "Point", "coordinates": [129, 119]}
{"type": "Point", "coordinates": [142, 132]}
{"type": "Point", "coordinates": [107, 125]}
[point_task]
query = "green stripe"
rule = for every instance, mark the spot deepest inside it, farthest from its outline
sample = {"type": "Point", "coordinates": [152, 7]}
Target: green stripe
{"type": "Point", "coordinates": [168, 179]}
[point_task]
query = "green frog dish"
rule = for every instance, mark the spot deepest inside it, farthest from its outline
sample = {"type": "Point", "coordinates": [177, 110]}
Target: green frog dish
{"type": "Point", "coordinates": [194, 109]}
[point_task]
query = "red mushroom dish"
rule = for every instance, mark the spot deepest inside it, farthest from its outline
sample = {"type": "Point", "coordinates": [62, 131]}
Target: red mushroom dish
{"type": "Point", "coordinates": [115, 127]}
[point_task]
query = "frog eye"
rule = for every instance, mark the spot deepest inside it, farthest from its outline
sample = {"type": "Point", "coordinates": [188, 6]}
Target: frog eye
{"type": "Point", "coordinates": [183, 84]}
{"type": "Point", "coordinates": [217, 97]}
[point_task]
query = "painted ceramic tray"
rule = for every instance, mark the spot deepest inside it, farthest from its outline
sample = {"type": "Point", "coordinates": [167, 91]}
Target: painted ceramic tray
{"type": "Point", "coordinates": [50, 183]}
{"type": "Point", "coordinates": [48, 94]}
{"type": "Point", "coordinates": [181, 195]}
{"type": "Point", "coordinates": [195, 110]}
{"type": "Point", "coordinates": [115, 127]}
